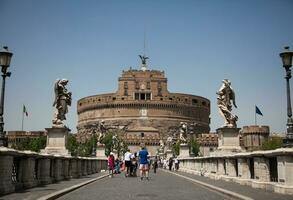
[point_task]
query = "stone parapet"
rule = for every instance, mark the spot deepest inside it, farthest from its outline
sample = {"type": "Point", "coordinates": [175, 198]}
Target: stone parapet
{"type": "Point", "coordinates": [269, 170]}
{"type": "Point", "coordinates": [25, 169]}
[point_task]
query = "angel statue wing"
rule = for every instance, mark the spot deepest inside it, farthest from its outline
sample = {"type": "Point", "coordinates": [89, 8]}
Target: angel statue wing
{"type": "Point", "coordinates": [232, 97]}
{"type": "Point", "coordinates": [56, 91]}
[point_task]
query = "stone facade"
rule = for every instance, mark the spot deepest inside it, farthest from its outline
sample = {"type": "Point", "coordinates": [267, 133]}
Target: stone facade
{"type": "Point", "coordinates": [143, 101]}
{"type": "Point", "coordinates": [207, 143]}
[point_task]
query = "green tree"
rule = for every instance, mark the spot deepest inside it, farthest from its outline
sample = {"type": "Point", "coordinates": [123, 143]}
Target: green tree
{"type": "Point", "coordinates": [194, 146]}
{"type": "Point", "coordinates": [272, 143]}
{"type": "Point", "coordinates": [32, 144]}
{"type": "Point", "coordinates": [176, 148]}
{"type": "Point", "coordinates": [72, 145]}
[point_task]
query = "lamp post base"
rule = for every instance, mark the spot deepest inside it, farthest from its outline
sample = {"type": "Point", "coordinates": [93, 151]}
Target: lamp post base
{"type": "Point", "coordinates": [3, 142]}
{"type": "Point", "coordinates": [288, 142]}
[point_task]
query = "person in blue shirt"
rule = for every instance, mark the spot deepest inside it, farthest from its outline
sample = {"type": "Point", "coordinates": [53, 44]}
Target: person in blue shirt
{"type": "Point", "coordinates": [143, 163]}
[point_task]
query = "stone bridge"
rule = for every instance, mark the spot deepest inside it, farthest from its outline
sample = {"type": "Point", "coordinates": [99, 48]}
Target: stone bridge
{"type": "Point", "coordinates": [257, 175]}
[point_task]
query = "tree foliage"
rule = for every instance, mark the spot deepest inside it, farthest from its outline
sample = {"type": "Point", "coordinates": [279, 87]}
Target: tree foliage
{"type": "Point", "coordinates": [272, 143]}
{"type": "Point", "coordinates": [32, 144]}
{"type": "Point", "coordinates": [194, 146]}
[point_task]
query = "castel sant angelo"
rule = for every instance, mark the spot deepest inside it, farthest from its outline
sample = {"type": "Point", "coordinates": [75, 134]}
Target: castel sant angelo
{"type": "Point", "coordinates": [143, 109]}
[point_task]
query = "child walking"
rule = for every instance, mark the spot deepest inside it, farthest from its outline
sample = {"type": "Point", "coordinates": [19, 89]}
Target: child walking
{"type": "Point", "coordinates": [111, 164]}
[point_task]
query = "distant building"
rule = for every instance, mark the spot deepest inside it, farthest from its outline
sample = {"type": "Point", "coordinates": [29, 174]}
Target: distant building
{"type": "Point", "coordinates": [208, 142]}
{"type": "Point", "coordinates": [17, 136]}
{"type": "Point", "coordinates": [144, 105]}
{"type": "Point", "coordinates": [254, 136]}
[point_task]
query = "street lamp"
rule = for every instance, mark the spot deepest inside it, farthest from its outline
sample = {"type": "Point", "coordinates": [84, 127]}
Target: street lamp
{"type": "Point", "coordinates": [5, 58]}
{"type": "Point", "coordinates": [287, 63]}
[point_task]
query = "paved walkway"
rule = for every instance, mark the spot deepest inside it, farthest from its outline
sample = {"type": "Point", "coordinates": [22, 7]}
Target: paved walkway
{"type": "Point", "coordinates": [163, 185]}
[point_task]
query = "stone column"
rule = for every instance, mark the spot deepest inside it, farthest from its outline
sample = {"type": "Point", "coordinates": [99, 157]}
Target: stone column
{"type": "Point", "coordinates": [93, 166]}
{"type": "Point", "coordinates": [261, 169]}
{"type": "Point", "coordinates": [44, 171]}
{"type": "Point", "coordinates": [73, 168]}
{"type": "Point", "coordinates": [230, 167]}
{"type": "Point", "coordinates": [221, 170]}
{"type": "Point", "coordinates": [27, 165]}
{"type": "Point", "coordinates": [57, 169]}
{"type": "Point", "coordinates": [84, 167]}
{"type": "Point", "coordinates": [78, 168]}
{"type": "Point", "coordinates": [285, 169]}
{"type": "Point", "coordinates": [66, 174]}
{"type": "Point", "coordinates": [243, 168]}
{"type": "Point", "coordinates": [89, 168]}
{"type": "Point", "coordinates": [6, 185]}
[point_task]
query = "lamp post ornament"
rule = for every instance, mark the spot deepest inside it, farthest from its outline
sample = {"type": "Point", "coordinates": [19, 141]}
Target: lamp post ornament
{"type": "Point", "coordinates": [287, 63]}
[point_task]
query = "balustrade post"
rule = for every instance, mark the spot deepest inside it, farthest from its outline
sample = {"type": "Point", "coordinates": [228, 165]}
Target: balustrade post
{"type": "Point", "coordinates": [6, 165]}
{"type": "Point", "coordinates": [44, 171]}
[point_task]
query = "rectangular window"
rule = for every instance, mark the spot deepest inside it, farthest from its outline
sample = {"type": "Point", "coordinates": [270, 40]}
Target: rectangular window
{"type": "Point", "coordinates": [142, 96]}
{"type": "Point", "coordinates": [136, 97]}
{"type": "Point", "coordinates": [125, 85]}
{"type": "Point", "coordinates": [148, 85]}
{"type": "Point", "coordinates": [148, 96]}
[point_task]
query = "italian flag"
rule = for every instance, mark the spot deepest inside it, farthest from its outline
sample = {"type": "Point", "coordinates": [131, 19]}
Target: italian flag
{"type": "Point", "coordinates": [24, 110]}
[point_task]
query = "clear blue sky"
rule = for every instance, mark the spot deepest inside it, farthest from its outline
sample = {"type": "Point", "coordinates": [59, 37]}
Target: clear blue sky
{"type": "Point", "coordinates": [197, 43]}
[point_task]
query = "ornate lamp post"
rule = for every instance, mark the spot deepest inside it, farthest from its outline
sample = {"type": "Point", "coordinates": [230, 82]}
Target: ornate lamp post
{"type": "Point", "coordinates": [287, 63]}
{"type": "Point", "coordinates": [5, 58]}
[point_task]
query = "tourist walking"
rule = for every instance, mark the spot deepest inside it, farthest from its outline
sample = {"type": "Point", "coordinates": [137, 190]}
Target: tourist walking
{"type": "Point", "coordinates": [170, 163]}
{"type": "Point", "coordinates": [155, 164]}
{"type": "Point", "coordinates": [127, 162]}
{"type": "Point", "coordinates": [176, 162]}
{"type": "Point", "coordinates": [143, 163]}
{"type": "Point", "coordinates": [111, 164]}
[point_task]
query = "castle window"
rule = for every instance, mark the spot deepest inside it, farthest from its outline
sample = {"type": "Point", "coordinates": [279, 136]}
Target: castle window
{"type": "Point", "coordinates": [114, 98]}
{"type": "Point", "coordinates": [148, 85]}
{"type": "Point", "coordinates": [136, 85]}
{"type": "Point", "coordinates": [159, 89]}
{"type": "Point", "coordinates": [204, 103]}
{"type": "Point", "coordinates": [136, 97]}
{"type": "Point", "coordinates": [125, 85]}
{"type": "Point", "coordinates": [170, 99]}
{"type": "Point", "coordinates": [194, 101]}
{"type": "Point", "coordinates": [142, 96]}
{"type": "Point", "coordinates": [125, 88]}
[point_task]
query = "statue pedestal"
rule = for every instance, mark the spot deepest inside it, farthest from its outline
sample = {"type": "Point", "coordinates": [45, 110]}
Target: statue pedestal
{"type": "Point", "coordinates": [169, 154]}
{"type": "Point", "coordinates": [100, 152]}
{"type": "Point", "coordinates": [56, 141]}
{"type": "Point", "coordinates": [228, 141]}
{"type": "Point", "coordinates": [184, 151]}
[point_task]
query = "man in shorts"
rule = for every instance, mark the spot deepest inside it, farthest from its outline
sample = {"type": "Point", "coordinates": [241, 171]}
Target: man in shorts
{"type": "Point", "coordinates": [143, 163]}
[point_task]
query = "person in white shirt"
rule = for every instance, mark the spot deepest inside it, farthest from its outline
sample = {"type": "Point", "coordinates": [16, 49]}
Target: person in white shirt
{"type": "Point", "coordinates": [127, 162]}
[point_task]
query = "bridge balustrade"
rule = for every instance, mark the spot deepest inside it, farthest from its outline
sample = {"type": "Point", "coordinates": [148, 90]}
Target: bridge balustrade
{"type": "Point", "coordinates": [25, 169]}
{"type": "Point", "coordinates": [270, 170]}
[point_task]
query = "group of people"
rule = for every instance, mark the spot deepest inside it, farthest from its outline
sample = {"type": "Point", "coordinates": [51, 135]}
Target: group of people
{"type": "Point", "coordinates": [172, 164]}
{"type": "Point", "coordinates": [139, 160]}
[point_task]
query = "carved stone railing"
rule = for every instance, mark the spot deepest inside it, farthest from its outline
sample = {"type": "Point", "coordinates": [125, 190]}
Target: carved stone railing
{"type": "Point", "coordinates": [26, 169]}
{"type": "Point", "coordinates": [269, 170]}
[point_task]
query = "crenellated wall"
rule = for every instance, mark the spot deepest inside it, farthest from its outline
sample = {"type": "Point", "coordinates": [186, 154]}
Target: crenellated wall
{"type": "Point", "coordinates": [26, 169]}
{"type": "Point", "coordinates": [269, 170]}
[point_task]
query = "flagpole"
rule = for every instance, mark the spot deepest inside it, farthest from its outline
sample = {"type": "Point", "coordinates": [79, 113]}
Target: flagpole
{"type": "Point", "coordinates": [255, 115]}
{"type": "Point", "coordinates": [22, 120]}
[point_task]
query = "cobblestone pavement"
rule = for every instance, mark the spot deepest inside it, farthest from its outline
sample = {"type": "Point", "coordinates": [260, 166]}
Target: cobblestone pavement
{"type": "Point", "coordinates": [240, 189]}
{"type": "Point", "coordinates": [37, 192]}
{"type": "Point", "coordinates": [161, 186]}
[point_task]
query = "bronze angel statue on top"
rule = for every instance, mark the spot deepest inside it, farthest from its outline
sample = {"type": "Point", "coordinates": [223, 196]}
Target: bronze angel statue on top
{"type": "Point", "coordinates": [61, 102]}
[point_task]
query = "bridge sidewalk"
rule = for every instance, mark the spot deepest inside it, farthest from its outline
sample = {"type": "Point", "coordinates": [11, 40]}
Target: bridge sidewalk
{"type": "Point", "coordinates": [47, 190]}
{"type": "Point", "coordinates": [248, 191]}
